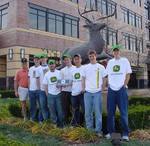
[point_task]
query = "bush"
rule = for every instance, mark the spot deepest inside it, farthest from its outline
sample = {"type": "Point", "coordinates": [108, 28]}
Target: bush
{"type": "Point", "coordinates": [139, 101]}
{"type": "Point", "coordinates": [139, 118]}
{"type": "Point", "coordinates": [7, 94]}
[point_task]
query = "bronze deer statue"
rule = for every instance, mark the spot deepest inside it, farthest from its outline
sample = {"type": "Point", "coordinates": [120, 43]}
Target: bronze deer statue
{"type": "Point", "coordinates": [95, 41]}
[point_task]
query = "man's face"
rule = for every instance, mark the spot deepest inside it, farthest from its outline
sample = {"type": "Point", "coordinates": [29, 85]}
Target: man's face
{"type": "Point", "coordinates": [77, 61]}
{"type": "Point", "coordinates": [52, 66]}
{"type": "Point", "coordinates": [43, 60]}
{"type": "Point", "coordinates": [36, 61]}
{"type": "Point", "coordinates": [92, 58]}
{"type": "Point", "coordinates": [116, 53]}
{"type": "Point", "coordinates": [67, 61]}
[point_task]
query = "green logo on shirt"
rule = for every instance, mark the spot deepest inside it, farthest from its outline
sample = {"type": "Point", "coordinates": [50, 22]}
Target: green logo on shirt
{"type": "Point", "coordinates": [77, 76]}
{"type": "Point", "coordinates": [53, 79]}
{"type": "Point", "coordinates": [116, 68]}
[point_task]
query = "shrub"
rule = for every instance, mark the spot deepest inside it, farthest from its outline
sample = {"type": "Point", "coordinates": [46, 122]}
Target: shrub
{"type": "Point", "coordinates": [139, 118]}
{"type": "Point", "coordinates": [139, 101]}
{"type": "Point", "coordinates": [7, 94]}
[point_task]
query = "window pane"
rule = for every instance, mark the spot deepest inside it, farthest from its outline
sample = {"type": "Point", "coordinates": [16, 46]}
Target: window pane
{"type": "Point", "coordinates": [33, 21]}
{"type": "Point", "coordinates": [67, 29]}
{"type": "Point", "coordinates": [51, 16]}
{"type": "Point", "coordinates": [41, 13]}
{"type": "Point", "coordinates": [74, 31]}
{"type": "Point", "coordinates": [51, 25]}
{"type": "Point", "coordinates": [103, 7]}
{"type": "Point", "coordinates": [59, 27]}
{"type": "Point", "coordinates": [33, 11]}
{"type": "Point", "coordinates": [5, 11]}
{"type": "Point", "coordinates": [41, 23]}
{"type": "Point", "coordinates": [4, 21]}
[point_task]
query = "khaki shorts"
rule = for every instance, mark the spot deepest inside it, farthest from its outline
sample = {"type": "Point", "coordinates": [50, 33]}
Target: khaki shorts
{"type": "Point", "coordinates": [23, 93]}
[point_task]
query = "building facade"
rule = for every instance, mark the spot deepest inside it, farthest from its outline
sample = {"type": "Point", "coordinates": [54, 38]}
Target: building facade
{"type": "Point", "coordinates": [33, 26]}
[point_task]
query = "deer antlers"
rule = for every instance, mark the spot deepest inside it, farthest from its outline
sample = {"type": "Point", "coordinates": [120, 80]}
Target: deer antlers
{"type": "Point", "coordinates": [85, 12]}
{"type": "Point", "coordinates": [107, 15]}
{"type": "Point", "coordinates": [91, 10]}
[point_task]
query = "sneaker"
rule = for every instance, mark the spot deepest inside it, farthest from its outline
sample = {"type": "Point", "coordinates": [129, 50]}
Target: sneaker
{"type": "Point", "coordinates": [108, 136]}
{"type": "Point", "coordinates": [125, 138]}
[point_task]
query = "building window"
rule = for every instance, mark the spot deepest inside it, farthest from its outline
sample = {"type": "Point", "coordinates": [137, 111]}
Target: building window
{"type": "Point", "coordinates": [126, 41]}
{"type": "Point", "coordinates": [133, 43]}
{"type": "Point", "coordinates": [109, 35]}
{"type": "Point", "coordinates": [137, 2]}
{"type": "Point", "coordinates": [53, 21]}
{"type": "Point", "coordinates": [131, 18]}
{"type": "Point", "coordinates": [125, 15]}
{"type": "Point", "coordinates": [90, 4]}
{"type": "Point", "coordinates": [106, 7]}
{"type": "Point", "coordinates": [3, 16]}
{"type": "Point", "coordinates": [138, 21]}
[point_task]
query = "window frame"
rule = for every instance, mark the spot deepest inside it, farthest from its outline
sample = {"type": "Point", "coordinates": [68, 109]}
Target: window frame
{"type": "Point", "coordinates": [2, 8]}
{"type": "Point", "coordinates": [56, 14]}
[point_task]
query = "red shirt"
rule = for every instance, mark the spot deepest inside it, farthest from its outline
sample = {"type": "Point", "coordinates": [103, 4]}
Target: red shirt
{"type": "Point", "coordinates": [22, 78]}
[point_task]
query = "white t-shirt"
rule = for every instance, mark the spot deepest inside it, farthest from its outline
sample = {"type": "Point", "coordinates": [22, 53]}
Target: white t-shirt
{"type": "Point", "coordinates": [94, 74]}
{"type": "Point", "coordinates": [51, 79]}
{"type": "Point", "coordinates": [66, 74]}
{"type": "Point", "coordinates": [77, 75]}
{"type": "Point", "coordinates": [32, 77]}
{"type": "Point", "coordinates": [116, 71]}
{"type": "Point", "coordinates": [40, 72]}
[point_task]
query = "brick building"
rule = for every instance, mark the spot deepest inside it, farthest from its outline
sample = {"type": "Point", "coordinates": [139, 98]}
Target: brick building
{"type": "Point", "coordinates": [33, 26]}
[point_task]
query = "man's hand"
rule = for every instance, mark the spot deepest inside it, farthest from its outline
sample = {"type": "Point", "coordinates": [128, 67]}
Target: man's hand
{"type": "Point", "coordinates": [16, 94]}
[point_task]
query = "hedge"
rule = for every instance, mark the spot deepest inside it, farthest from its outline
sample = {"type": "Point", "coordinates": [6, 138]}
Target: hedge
{"type": "Point", "coordinates": [139, 101]}
{"type": "Point", "coordinates": [139, 116]}
{"type": "Point", "coordinates": [7, 94]}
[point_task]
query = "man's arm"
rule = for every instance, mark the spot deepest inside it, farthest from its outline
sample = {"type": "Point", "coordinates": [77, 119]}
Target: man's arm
{"type": "Point", "coordinates": [83, 84]}
{"type": "Point", "coordinates": [38, 83]}
{"type": "Point", "coordinates": [16, 87]}
{"type": "Point", "coordinates": [105, 81]}
{"type": "Point", "coordinates": [46, 89]}
{"type": "Point", "coordinates": [127, 79]}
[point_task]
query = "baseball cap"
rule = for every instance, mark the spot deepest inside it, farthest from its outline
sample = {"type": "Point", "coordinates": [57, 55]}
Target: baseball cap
{"type": "Point", "coordinates": [66, 56]}
{"type": "Point", "coordinates": [24, 60]}
{"type": "Point", "coordinates": [51, 61]}
{"type": "Point", "coordinates": [37, 56]}
{"type": "Point", "coordinates": [44, 55]}
{"type": "Point", "coordinates": [116, 46]}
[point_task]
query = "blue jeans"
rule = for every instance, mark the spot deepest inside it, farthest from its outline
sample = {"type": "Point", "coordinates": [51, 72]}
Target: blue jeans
{"type": "Point", "coordinates": [55, 107]}
{"type": "Point", "coordinates": [93, 102]}
{"type": "Point", "coordinates": [120, 99]}
{"type": "Point", "coordinates": [77, 102]}
{"type": "Point", "coordinates": [43, 105]}
{"type": "Point", "coordinates": [34, 104]}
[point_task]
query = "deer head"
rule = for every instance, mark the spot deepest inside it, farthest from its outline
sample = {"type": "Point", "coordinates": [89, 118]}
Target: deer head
{"type": "Point", "coordinates": [94, 26]}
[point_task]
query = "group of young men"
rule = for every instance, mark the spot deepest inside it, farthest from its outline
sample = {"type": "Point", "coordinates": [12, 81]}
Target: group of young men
{"type": "Point", "coordinates": [75, 91]}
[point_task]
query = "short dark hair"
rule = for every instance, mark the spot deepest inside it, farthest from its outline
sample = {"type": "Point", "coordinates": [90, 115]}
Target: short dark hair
{"type": "Point", "coordinates": [92, 52]}
{"type": "Point", "coordinates": [24, 60]}
{"type": "Point", "coordinates": [77, 55]}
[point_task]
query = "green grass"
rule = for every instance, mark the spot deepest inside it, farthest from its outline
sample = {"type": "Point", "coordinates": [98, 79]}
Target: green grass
{"type": "Point", "coordinates": [28, 139]}
{"type": "Point", "coordinates": [12, 136]}
{"type": "Point", "coordinates": [23, 136]}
